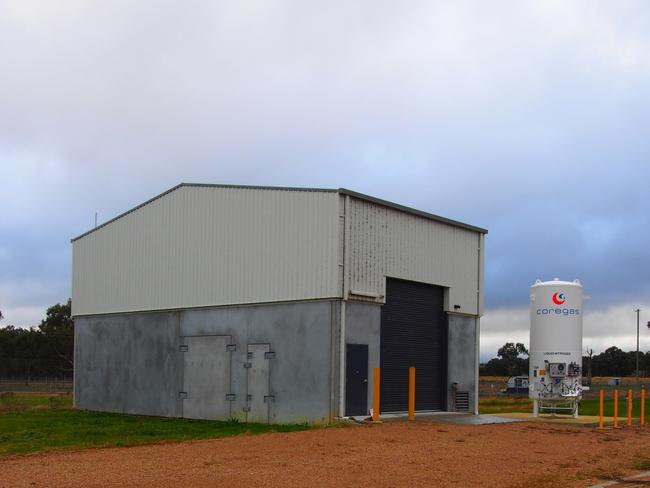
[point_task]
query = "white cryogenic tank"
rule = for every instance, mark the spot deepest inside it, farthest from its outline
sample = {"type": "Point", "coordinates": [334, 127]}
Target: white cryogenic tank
{"type": "Point", "coordinates": [556, 345]}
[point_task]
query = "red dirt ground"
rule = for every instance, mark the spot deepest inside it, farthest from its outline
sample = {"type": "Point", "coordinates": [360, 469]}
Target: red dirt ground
{"type": "Point", "coordinates": [388, 455]}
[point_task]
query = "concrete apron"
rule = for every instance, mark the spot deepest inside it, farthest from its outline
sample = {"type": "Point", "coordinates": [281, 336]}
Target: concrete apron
{"type": "Point", "coordinates": [448, 418]}
{"type": "Point", "coordinates": [583, 420]}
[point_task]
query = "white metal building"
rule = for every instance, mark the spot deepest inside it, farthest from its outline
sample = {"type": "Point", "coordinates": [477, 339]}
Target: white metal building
{"type": "Point", "coordinates": [215, 301]}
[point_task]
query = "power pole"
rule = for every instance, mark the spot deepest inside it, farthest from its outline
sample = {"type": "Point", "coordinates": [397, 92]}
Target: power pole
{"type": "Point", "coordinates": [637, 343]}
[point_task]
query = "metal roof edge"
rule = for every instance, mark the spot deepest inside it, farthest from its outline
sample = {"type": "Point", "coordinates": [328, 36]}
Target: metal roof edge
{"type": "Point", "coordinates": [412, 211]}
{"type": "Point", "coordinates": [343, 191]}
{"type": "Point", "coordinates": [261, 187]}
{"type": "Point", "coordinates": [128, 212]}
{"type": "Point", "coordinates": [204, 185]}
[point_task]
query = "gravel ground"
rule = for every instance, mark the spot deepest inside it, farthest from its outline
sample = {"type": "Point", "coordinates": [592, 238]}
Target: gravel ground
{"type": "Point", "coordinates": [387, 455]}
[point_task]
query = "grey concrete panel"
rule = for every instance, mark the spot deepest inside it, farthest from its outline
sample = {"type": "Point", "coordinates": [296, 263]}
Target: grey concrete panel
{"type": "Point", "coordinates": [257, 383]}
{"type": "Point", "coordinates": [128, 363]}
{"type": "Point", "coordinates": [132, 363]}
{"type": "Point", "coordinates": [461, 357]}
{"type": "Point", "coordinates": [335, 341]}
{"type": "Point", "coordinates": [299, 333]}
{"type": "Point", "coordinates": [362, 326]}
{"type": "Point", "coordinates": [206, 377]}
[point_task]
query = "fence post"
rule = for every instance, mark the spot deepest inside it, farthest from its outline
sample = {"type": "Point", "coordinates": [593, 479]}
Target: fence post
{"type": "Point", "coordinates": [602, 398]}
{"type": "Point", "coordinates": [629, 407]}
{"type": "Point", "coordinates": [642, 404]}
{"type": "Point", "coordinates": [616, 409]}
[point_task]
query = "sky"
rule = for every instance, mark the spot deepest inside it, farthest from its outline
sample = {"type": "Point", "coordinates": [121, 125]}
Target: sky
{"type": "Point", "coordinates": [530, 119]}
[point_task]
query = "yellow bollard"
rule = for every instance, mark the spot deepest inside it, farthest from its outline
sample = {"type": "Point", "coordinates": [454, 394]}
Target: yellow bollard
{"type": "Point", "coordinates": [642, 404]}
{"type": "Point", "coordinates": [375, 398]}
{"type": "Point", "coordinates": [411, 393]}
{"type": "Point", "coordinates": [629, 407]}
{"type": "Point", "coordinates": [602, 399]}
{"type": "Point", "coordinates": [616, 409]}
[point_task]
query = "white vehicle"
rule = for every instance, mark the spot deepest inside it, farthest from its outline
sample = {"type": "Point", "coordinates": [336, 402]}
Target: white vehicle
{"type": "Point", "coordinates": [517, 384]}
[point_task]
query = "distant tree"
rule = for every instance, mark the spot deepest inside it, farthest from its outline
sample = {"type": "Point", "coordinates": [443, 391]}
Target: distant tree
{"type": "Point", "coordinates": [644, 361]}
{"type": "Point", "coordinates": [514, 358]}
{"type": "Point", "coordinates": [20, 349]}
{"type": "Point", "coordinates": [46, 350]}
{"type": "Point", "coordinates": [611, 362]}
{"type": "Point", "coordinates": [510, 351]}
{"type": "Point", "coordinates": [495, 367]}
{"type": "Point", "coordinates": [614, 362]}
{"type": "Point", "coordinates": [58, 329]}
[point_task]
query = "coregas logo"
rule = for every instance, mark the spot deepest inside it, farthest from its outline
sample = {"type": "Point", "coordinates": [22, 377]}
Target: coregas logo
{"type": "Point", "coordinates": [558, 311]}
{"type": "Point", "coordinates": [558, 299]}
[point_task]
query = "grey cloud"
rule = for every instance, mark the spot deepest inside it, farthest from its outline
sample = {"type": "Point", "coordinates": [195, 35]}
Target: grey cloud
{"type": "Point", "coordinates": [527, 119]}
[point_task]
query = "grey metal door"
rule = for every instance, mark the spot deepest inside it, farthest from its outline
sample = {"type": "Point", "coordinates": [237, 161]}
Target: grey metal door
{"type": "Point", "coordinates": [206, 377]}
{"type": "Point", "coordinates": [356, 379]}
{"type": "Point", "coordinates": [258, 398]}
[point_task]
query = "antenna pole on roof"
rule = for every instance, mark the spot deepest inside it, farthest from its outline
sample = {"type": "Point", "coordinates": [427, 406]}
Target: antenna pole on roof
{"type": "Point", "coordinates": [95, 220]}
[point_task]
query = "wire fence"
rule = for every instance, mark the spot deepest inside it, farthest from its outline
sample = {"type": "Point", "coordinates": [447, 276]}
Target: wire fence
{"type": "Point", "coordinates": [497, 386]}
{"type": "Point", "coordinates": [35, 374]}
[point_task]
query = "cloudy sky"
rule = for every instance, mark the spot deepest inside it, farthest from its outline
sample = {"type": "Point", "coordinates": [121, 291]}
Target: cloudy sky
{"type": "Point", "coordinates": [531, 119]}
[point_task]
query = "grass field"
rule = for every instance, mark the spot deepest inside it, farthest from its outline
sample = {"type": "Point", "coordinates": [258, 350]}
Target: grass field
{"type": "Point", "coordinates": [491, 401]}
{"type": "Point", "coordinates": [39, 422]}
{"type": "Point", "coordinates": [31, 422]}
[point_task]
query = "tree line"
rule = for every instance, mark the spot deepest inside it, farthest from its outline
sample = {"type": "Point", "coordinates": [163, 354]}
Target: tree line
{"type": "Point", "coordinates": [43, 351]}
{"type": "Point", "coordinates": [512, 360]}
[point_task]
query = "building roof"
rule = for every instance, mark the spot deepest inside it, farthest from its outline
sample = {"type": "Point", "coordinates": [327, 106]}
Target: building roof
{"type": "Point", "coordinates": [342, 191]}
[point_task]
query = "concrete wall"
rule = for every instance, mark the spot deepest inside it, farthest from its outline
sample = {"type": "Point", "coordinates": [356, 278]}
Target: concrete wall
{"type": "Point", "coordinates": [362, 326]}
{"type": "Point", "coordinates": [300, 334]}
{"type": "Point", "coordinates": [132, 363]}
{"type": "Point", "coordinates": [461, 357]}
{"type": "Point", "coordinates": [128, 363]}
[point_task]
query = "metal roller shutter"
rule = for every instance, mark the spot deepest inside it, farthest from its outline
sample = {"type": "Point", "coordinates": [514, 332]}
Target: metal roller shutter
{"type": "Point", "coordinates": [413, 333]}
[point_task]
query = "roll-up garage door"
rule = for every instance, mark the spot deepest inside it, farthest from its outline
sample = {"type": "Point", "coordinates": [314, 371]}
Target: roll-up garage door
{"type": "Point", "coordinates": [413, 333]}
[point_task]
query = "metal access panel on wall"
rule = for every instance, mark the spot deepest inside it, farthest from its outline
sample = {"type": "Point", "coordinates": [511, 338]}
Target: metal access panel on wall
{"type": "Point", "coordinates": [258, 398]}
{"type": "Point", "coordinates": [206, 377]}
{"type": "Point", "coordinates": [413, 333]}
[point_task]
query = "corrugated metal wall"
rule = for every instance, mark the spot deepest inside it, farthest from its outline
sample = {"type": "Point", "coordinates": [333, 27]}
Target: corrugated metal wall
{"type": "Point", "coordinates": [383, 241]}
{"type": "Point", "coordinates": [201, 246]}
{"type": "Point", "coordinates": [208, 246]}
